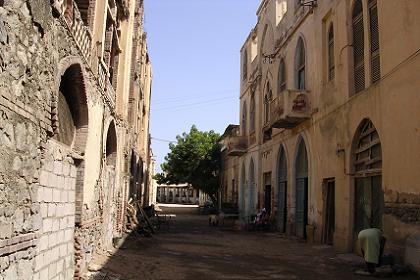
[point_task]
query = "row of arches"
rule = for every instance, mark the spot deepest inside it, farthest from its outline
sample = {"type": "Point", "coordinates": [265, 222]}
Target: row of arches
{"type": "Point", "coordinates": [366, 188]}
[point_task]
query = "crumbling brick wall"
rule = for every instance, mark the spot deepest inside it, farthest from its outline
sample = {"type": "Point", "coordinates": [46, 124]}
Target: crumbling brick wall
{"type": "Point", "coordinates": [39, 237]}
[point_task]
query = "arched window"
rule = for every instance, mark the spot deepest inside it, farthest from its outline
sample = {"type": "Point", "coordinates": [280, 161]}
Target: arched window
{"type": "Point", "coordinates": [252, 113]}
{"type": "Point", "coordinates": [331, 64]}
{"type": "Point", "coordinates": [245, 66]}
{"type": "Point", "coordinates": [300, 65]}
{"type": "Point", "coordinates": [244, 119]}
{"type": "Point", "coordinates": [358, 47]}
{"type": "Point", "coordinates": [374, 42]}
{"type": "Point", "coordinates": [111, 146]}
{"type": "Point", "coordinates": [267, 99]}
{"type": "Point", "coordinates": [282, 76]}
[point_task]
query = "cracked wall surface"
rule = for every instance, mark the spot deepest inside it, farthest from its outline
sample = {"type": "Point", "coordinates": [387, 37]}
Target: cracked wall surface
{"type": "Point", "coordinates": [59, 200]}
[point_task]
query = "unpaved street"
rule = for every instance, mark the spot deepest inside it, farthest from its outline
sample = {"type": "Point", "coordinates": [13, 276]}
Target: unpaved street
{"type": "Point", "coordinates": [190, 249]}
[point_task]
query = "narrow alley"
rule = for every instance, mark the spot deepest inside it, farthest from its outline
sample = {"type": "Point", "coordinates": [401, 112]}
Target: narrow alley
{"type": "Point", "coordinates": [190, 249]}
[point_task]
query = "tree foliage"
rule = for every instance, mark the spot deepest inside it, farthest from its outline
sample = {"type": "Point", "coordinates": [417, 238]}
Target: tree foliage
{"type": "Point", "coordinates": [194, 159]}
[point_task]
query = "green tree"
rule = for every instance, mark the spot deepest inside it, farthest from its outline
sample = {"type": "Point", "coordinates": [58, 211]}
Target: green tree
{"type": "Point", "coordinates": [194, 159]}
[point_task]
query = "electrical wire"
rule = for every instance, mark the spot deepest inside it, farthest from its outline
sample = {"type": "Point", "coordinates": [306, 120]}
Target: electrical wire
{"type": "Point", "coordinates": [162, 140]}
{"type": "Point", "coordinates": [191, 105]}
{"type": "Point", "coordinates": [189, 97]}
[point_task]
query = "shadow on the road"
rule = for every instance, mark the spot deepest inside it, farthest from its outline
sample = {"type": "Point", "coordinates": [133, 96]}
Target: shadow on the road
{"type": "Point", "coordinates": [188, 248]}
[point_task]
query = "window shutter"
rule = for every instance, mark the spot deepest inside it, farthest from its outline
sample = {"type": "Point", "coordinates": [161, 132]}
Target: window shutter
{"type": "Point", "coordinates": [282, 76]}
{"type": "Point", "coordinates": [358, 49]}
{"type": "Point", "coordinates": [331, 65]}
{"type": "Point", "coordinates": [374, 42]}
{"type": "Point", "coordinates": [300, 65]}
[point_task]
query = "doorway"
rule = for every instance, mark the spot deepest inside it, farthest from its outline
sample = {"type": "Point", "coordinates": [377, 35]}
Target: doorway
{"type": "Point", "coordinates": [282, 191]}
{"type": "Point", "coordinates": [301, 190]}
{"type": "Point", "coordinates": [328, 194]}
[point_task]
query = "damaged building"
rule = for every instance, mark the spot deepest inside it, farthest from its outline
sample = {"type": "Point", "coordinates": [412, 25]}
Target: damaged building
{"type": "Point", "coordinates": [328, 140]}
{"type": "Point", "coordinates": [75, 86]}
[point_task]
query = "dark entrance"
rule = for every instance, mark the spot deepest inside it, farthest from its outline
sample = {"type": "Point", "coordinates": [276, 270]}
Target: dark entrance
{"type": "Point", "coordinates": [282, 191]}
{"type": "Point", "coordinates": [369, 203]}
{"type": "Point", "coordinates": [301, 190]}
{"type": "Point", "coordinates": [267, 192]}
{"type": "Point", "coordinates": [329, 211]}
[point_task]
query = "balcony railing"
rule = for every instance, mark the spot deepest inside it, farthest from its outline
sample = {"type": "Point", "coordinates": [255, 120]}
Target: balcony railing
{"type": "Point", "coordinates": [105, 84]}
{"type": "Point", "coordinates": [237, 145]}
{"type": "Point", "coordinates": [289, 108]}
{"type": "Point", "coordinates": [81, 33]}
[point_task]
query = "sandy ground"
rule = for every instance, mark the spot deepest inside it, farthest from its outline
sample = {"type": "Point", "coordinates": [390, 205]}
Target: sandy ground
{"type": "Point", "coordinates": [190, 249]}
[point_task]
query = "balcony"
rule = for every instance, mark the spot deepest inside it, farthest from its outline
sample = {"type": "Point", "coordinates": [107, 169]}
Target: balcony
{"type": "Point", "coordinates": [289, 108]}
{"type": "Point", "coordinates": [237, 145]}
{"type": "Point", "coordinates": [105, 84]}
{"type": "Point", "coordinates": [70, 13]}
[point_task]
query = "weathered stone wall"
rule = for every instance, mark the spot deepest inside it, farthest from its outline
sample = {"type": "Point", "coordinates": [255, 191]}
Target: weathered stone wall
{"type": "Point", "coordinates": [56, 197]}
{"type": "Point", "coordinates": [37, 175]}
{"type": "Point", "coordinates": [59, 202]}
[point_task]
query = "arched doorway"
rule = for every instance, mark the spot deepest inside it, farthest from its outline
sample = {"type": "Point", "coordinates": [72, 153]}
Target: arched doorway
{"type": "Point", "coordinates": [301, 167]}
{"type": "Point", "coordinates": [367, 164]}
{"type": "Point", "coordinates": [108, 194]}
{"type": "Point", "coordinates": [282, 190]}
{"type": "Point", "coordinates": [242, 191]}
{"type": "Point", "coordinates": [251, 189]}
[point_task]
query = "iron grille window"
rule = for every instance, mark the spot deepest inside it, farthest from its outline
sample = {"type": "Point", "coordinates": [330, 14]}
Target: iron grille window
{"type": "Point", "coordinates": [374, 42]}
{"type": "Point", "coordinates": [282, 76]}
{"type": "Point", "coordinates": [331, 64]}
{"type": "Point", "coordinates": [300, 65]}
{"type": "Point", "coordinates": [358, 47]}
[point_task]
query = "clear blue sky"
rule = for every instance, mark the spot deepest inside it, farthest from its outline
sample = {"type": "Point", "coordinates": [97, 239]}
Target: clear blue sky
{"type": "Point", "coordinates": [194, 48]}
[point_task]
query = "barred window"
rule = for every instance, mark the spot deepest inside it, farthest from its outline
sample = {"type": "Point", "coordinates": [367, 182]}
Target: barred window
{"type": "Point", "coordinates": [300, 65]}
{"type": "Point", "coordinates": [358, 47]}
{"type": "Point", "coordinates": [331, 64]}
{"type": "Point", "coordinates": [282, 76]}
{"type": "Point", "coordinates": [374, 42]}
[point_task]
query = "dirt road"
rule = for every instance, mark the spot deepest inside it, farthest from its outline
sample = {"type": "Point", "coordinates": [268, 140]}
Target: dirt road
{"type": "Point", "coordinates": [190, 249]}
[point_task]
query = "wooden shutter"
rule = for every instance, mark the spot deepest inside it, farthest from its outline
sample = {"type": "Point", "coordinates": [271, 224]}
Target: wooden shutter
{"type": "Point", "coordinates": [331, 64]}
{"type": "Point", "coordinates": [300, 65]}
{"type": "Point", "coordinates": [252, 113]}
{"type": "Point", "coordinates": [301, 206]}
{"type": "Point", "coordinates": [282, 192]}
{"type": "Point", "coordinates": [358, 47]}
{"type": "Point", "coordinates": [374, 42]}
{"type": "Point", "coordinates": [282, 76]}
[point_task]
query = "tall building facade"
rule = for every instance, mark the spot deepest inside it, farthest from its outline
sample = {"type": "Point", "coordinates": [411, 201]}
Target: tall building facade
{"type": "Point", "coordinates": [328, 140]}
{"type": "Point", "coordinates": [75, 86]}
